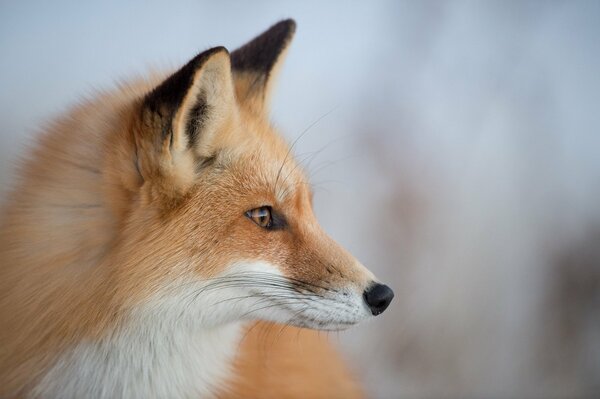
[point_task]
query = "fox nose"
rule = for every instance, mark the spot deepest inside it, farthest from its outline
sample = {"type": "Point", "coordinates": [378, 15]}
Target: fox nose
{"type": "Point", "coordinates": [378, 297]}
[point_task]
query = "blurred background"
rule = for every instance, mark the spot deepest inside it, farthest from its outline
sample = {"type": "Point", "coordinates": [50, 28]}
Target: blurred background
{"type": "Point", "coordinates": [454, 148]}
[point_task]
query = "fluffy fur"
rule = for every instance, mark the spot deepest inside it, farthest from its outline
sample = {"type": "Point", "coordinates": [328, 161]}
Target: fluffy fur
{"type": "Point", "coordinates": [129, 268]}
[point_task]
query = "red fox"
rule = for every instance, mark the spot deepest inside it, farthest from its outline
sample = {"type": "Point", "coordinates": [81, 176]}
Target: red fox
{"type": "Point", "coordinates": [158, 230]}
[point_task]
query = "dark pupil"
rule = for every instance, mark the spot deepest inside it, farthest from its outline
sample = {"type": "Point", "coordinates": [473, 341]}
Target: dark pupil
{"type": "Point", "coordinates": [262, 216]}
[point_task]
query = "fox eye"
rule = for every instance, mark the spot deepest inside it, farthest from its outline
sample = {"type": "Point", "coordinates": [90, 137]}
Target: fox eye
{"type": "Point", "coordinates": [261, 216]}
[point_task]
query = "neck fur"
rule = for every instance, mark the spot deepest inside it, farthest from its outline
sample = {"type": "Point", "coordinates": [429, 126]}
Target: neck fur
{"type": "Point", "coordinates": [148, 357]}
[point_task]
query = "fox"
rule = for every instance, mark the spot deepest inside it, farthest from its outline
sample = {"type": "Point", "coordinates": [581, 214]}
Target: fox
{"type": "Point", "coordinates": [159, 230]}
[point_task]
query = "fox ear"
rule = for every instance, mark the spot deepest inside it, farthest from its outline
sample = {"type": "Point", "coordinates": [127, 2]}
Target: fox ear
{"type": "Point", "coordinates": [182, 118]}
{"type": "Point", "coordinates": [255, 64]}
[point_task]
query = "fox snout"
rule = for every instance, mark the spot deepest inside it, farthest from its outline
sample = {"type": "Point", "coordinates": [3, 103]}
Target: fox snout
{"type": "Point", "coordinates": [340, 290]}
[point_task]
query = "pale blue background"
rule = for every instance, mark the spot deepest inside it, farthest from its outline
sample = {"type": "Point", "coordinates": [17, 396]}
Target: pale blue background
{"type": "Point", "coordinates": [461, 160]}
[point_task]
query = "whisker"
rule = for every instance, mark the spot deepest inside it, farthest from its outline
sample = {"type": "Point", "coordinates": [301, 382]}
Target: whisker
{"type": "Point", "coordinates": [267, 307]}
{"type": "Point", "coordinates": [296, 141]}
{"type": "Point", "coordinates": [316, 153]}
{"type": "Point", "coordinates": [263, 296]}
{"type": "Point", "coordinates": [312, 156]}
{"type": "Point", "coordinates": [326, 164]}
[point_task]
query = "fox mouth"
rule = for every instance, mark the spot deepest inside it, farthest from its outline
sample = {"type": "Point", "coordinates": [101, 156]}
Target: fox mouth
{"type": "Point", "coordinates": [310, 316]}
{"type": "Point", "coordinates": [306, 305]}
{"type": "Point", "coordinates": [329, 325]}
{"type": "Point", "coordinates": [259, 295]}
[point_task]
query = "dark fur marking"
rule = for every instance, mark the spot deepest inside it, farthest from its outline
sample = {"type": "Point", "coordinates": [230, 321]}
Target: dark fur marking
{"type": "Point", "coordinates": [166, 99]}
{"type": "Point", "coordinates": [260, 54]}
{"type": "Point", "coordinates": [196, 118]}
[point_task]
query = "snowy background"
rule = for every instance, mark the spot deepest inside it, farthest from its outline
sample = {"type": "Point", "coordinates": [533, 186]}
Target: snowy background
{"type": "Point", "coordinates": [459, 159]}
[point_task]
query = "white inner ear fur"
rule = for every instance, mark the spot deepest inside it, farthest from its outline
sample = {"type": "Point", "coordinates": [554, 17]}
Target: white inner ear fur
{"type": "Point", "coordinates": [213, 85]}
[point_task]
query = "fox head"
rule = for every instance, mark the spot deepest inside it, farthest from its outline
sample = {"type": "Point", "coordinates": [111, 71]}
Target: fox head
{"type": "Point", "coordinates": [220, 225]}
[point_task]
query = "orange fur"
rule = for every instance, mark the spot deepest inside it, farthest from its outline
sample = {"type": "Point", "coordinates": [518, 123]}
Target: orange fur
{"type": "Point", "coordinates": [108, 211]}
{"type": "Point", "coordinates": [286, 362]}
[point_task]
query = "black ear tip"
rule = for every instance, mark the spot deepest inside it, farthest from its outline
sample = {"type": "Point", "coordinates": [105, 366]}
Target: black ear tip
{"type": "Point", "coordinates": [289, 25]}
{"type": "Point", "coordinates": [282, 30]}
{"type": "Point", "coordinates": [261, 53]}
{"type": "Point", "coordinates": [218, 49]}
{"type": "Point", "coordinates": [201, 58]}
{"type": "Point", "coordinates": [171, 92]}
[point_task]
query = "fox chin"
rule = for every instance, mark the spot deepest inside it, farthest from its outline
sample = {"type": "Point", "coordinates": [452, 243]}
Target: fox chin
{"type": "Point", "coordinates": [159, 231]}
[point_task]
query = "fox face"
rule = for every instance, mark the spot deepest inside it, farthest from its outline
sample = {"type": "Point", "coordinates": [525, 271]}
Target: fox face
{"type": "Point", "coordinates": [151, 223]}
{"type": "Point", "coordinates": [235, 232]}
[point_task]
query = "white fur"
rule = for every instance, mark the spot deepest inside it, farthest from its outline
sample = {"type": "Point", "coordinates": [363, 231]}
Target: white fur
{"type": "Point", "coordinates": [181, 342]}
{"type": "Point", "coordinates": [147, 360]}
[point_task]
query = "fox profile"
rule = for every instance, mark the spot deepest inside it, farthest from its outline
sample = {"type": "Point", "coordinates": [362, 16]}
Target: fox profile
{"type": "Point", "coordinates": [153, 229]}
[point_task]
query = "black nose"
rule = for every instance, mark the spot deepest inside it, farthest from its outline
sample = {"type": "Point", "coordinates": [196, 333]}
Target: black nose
{"type": "Point", "coordinates": [378, 297]}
